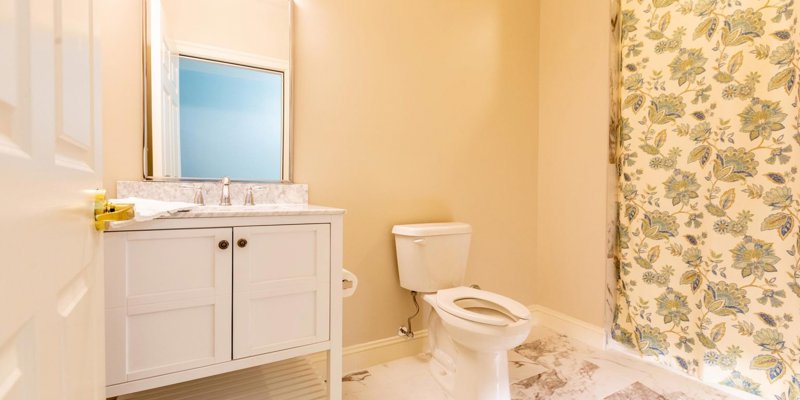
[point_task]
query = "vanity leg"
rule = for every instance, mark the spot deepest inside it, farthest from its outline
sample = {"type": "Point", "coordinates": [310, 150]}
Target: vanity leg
{"type": "Point", "coordinates": [335, 374]}
{"type": "Point", "coordinates": [335, 353]}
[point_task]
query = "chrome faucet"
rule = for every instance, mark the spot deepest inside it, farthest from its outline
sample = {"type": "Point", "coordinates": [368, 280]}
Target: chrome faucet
{"type": "Point", "coordinates": [225, 199]}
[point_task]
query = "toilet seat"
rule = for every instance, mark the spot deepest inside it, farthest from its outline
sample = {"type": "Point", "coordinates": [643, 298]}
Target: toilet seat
{"type": "Point", "coordinates": [510, 310]}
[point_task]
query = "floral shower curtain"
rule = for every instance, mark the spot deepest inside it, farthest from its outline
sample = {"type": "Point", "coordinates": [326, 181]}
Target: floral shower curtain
{"type": "Point", "coordinates": [709, 275]}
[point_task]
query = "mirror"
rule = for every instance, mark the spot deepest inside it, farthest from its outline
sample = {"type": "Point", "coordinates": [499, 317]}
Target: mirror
{"type": "Point", "coordinates": [217, 90]}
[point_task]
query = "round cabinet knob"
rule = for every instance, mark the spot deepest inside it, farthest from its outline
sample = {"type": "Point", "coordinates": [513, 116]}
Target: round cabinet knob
{"type": "Point", "coordinates": [223, 244]}
{"type": "Point", "coordinates": [242, 242]}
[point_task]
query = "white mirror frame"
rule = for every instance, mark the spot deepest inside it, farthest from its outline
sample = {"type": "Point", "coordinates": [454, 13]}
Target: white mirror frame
{"type": "Point", "coordinates": [153, 51]}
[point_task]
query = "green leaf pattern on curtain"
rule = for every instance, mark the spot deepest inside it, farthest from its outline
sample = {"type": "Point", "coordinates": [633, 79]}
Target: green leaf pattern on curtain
{"type": "Point", "coordinates": [709, 275]}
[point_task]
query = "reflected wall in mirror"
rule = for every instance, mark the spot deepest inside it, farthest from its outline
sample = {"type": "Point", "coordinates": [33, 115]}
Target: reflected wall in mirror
{"type": "Point", "coordinates": [218, 89]}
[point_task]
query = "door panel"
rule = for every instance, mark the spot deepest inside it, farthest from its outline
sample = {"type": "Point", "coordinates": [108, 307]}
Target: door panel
{"type": "Point", "coordinates": [182, 254]}
{"type": "Point", "coordinates": [281, 287]}
{"type": "Point", "coordinates": [14, 78]}
{"type": "Point", "coordinates": [159, 340]}
{"type": "Point", "coordinates": [169, 301]}
{"type": "Point", "coordinates": [74, 87]}
{"type": "Point", "coordinates": [16, 366]}
{"type": "Point", "coordinates": [268, 313]}
{"type": "Point", "coordinates": [74, 307]}
{"type": "Point", "coordinates": [51, 319]}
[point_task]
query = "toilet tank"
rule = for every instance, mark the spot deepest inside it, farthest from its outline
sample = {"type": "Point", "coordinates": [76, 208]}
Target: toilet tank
{"type": "Point", "coordinates": [432, 256]}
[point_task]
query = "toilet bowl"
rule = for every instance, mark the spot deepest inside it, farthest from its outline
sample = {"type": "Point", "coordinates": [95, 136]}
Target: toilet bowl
{"type": "Point", "coordinates": [470, 330]}
{"type": "Point", "coordinates": [483, 320]}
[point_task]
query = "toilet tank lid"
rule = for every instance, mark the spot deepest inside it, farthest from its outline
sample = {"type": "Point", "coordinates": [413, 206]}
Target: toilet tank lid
{"type": "Point", "coordinates": [432, 229]}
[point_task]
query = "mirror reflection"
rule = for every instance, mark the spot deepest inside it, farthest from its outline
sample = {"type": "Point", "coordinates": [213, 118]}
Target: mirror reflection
{"type": "Point", "coordinates": [218, 84]}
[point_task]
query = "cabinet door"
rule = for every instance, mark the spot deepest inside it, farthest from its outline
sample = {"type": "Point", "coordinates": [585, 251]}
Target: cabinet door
{"type": "Point", "coordinates": [168, 301]}
{"type": "Point", "coordinates": [281, 283]}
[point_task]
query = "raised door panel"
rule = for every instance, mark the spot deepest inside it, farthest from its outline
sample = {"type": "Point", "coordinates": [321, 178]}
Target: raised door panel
{"type": "Point", "coordinates": [281, 287]}
{"type": "Point", "coordinates": [15, 79]}
{"type": "Point", "coordinates": [169, 301]}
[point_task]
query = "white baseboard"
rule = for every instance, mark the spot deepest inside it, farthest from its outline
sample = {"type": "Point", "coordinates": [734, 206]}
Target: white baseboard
{"type": "Point", "coordinates": [360, 356]}
{"type": "Point", "coordinates": [592, 335]}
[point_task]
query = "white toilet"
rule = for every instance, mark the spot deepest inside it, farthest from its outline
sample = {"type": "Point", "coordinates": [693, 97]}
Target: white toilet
{"type": "Point", "coordinates": [470, 330]}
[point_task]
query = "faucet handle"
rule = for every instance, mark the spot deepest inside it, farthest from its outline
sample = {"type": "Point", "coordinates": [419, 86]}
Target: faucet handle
{"type": "Point", "coordinates": [198, 196]}
{"type": "Point", "coordinates": [249, 197]}
{"type": "Point", "coordinates": [198, 193]}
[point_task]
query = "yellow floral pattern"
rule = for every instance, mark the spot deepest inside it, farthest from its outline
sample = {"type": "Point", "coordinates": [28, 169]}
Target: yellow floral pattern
{"type": "Point", "coordinates": [707, 240]}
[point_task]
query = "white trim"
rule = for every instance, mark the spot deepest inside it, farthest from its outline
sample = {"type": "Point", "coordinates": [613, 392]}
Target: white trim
{"type": "Point", "coordinates": [592, 335]}
{"type": "Point", "coordinates": [154, 84]}
{"type": "Point", "coordinates": [192, 49]}
{"type": "Point", "coordinates": [363, 355]}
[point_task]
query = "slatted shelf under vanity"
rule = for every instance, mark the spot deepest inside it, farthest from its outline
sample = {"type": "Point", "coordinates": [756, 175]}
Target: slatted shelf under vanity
{"type": "Point", "coordinates": [290, 379]}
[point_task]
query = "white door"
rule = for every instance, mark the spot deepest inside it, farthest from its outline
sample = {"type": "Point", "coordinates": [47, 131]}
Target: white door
{"type": "Point", "coordinates": [51, 324]}
{"type": "Point", "coordinates": [168, 301]}
{"type": "Point", "coordinates": [281, 287]}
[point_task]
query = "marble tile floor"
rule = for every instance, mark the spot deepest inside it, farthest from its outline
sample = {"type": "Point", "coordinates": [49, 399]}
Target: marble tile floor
{"type": "Point", "coordinates": [548, 366]}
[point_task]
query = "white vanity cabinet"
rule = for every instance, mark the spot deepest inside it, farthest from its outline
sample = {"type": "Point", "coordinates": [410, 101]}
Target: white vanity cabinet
{"type": "Point", "coordinates": [193, 297]}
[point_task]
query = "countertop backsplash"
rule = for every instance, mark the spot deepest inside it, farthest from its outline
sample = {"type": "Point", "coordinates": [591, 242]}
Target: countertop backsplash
{"type": "Point", "coordinates": [264, 193]}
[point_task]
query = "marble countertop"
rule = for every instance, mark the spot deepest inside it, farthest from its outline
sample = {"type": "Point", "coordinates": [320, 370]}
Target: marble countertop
{"type": "Point", "coordinates": [259, 210]}
{"type": "Point", "coordinates": [221, 216]}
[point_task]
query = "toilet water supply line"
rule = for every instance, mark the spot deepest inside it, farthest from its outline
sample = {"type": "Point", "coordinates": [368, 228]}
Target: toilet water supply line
{"type": "Point", "coordinates": [406, 330]}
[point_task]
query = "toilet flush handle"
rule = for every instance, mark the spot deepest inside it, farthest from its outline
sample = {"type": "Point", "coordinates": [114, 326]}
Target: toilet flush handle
{"type": "Point", "coordinates": [420, 242]}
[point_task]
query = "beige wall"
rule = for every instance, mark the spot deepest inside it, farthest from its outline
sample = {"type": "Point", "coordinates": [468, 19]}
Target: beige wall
{"type": "Point", "coordinates": [405, 111]}
{"type": "Point", "coordinates": [414, 111]}
{"type": "Point", "coordinates": [121, 70]}
{"type": "Point", "coordinates": [573, 126]}
{"type": "Point", "coordinates": [245, 24]}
